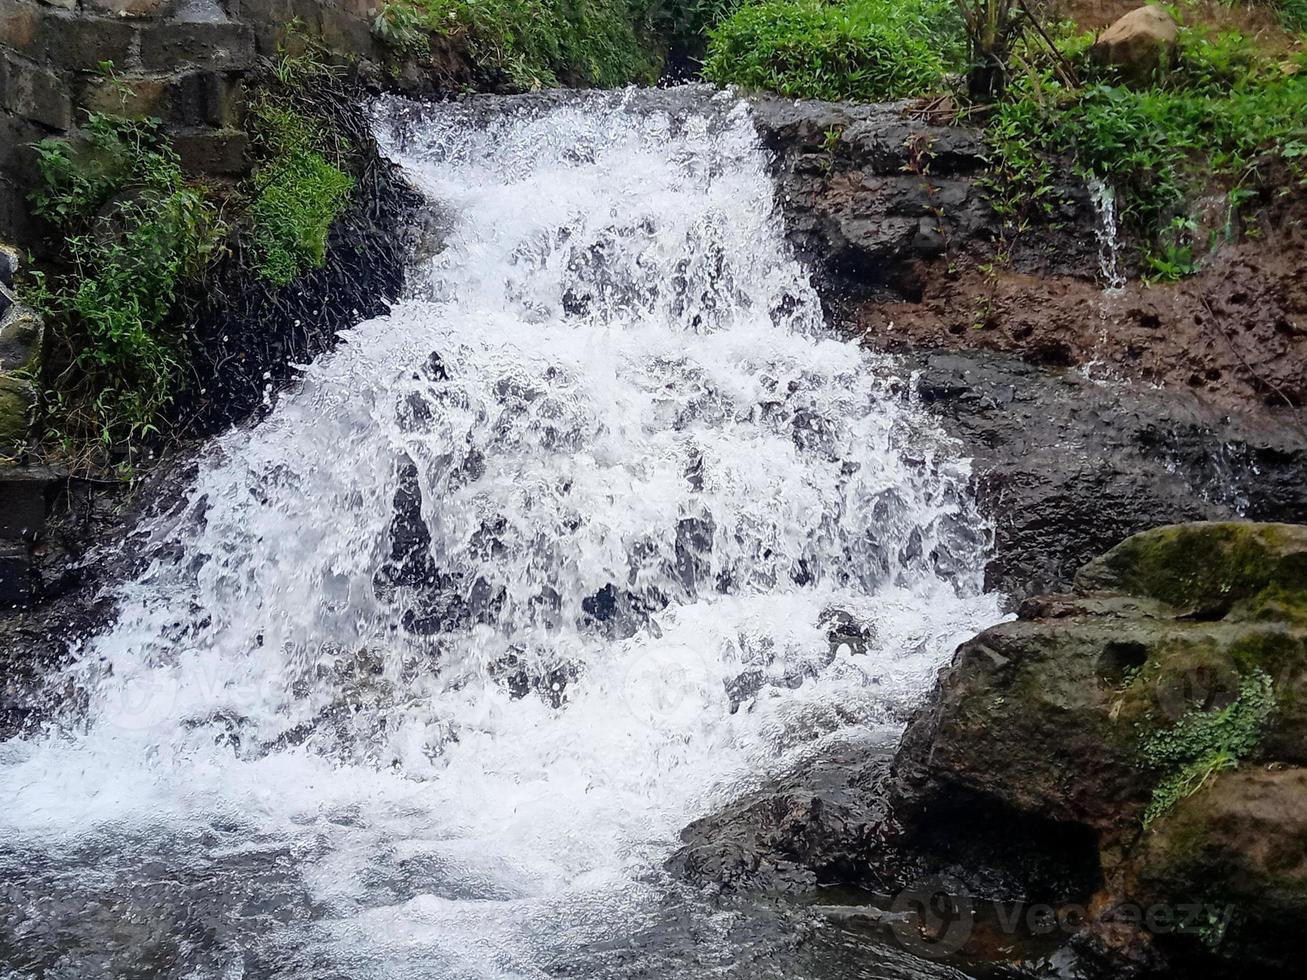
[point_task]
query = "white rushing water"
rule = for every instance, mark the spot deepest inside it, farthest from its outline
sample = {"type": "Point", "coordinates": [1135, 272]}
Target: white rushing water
{"type": "Point", "coordinates": [436, 661]}
{"type": "Point", "coordinates": [1108, 235]}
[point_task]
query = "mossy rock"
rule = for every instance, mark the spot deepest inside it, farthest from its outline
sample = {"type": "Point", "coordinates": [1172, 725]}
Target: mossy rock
{"type": "Point", "coordinates": [1159, 707]}
{"type": "Point", "coordinates": [16, 400]}
{"type": "Point", "coordinates": [1240, 848]}
{"type": "Point", "coordinates": [1209, 568]}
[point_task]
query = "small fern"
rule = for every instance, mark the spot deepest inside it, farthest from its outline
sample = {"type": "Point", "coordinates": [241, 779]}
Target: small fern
{"type": "Point", "coordinates": [1203, 743]}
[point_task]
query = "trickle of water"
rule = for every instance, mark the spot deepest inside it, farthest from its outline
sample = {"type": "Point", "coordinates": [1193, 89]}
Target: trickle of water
{"type": "Point", "coordinates": [438, 659]}
{"type": "Point", "coordinates": [1109, 246]}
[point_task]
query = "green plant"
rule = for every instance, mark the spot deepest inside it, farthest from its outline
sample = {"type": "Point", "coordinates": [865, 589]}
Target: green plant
{"type": "Point", "coordinates": [303, 59]}
{"type": "Point", "coordinates": [1174, 258]}
{"type": "Point", "coordinates": [1213, 63]}
{"type": "Point", "coordinates": [992, 28]}
{"type": "Point", "coordinates": [298, 193]}
{"type": "Point", "coordinates": [403, 26]}
{"type": "Point", "coordinates": [1225, 116]}
{"type": "Point", "coordinates": [134, 233]}
{"type": "Point", "coordinates": [1019, 180]}
{"type": "Point", "coordinates": [534, 43]}
{"type": "Point", "coordinates": [1293, 14]}
{"type": "Point", "coordinates": [858, 49]}
{"type": "Point", "coordinates": [1203, 743]}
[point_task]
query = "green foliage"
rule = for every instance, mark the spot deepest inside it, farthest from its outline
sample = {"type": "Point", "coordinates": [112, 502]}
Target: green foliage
{"type": "Point", "coordinates": [993, 28]}
{"type": "Point", "coordinates": [1222, 114]}
{"type": "Point", "coordinates": [1173, 258]}
{"type": "Point", "coordinates": [297, 192]}
{"type": "Point", "coordinates": [860, 50]}
{"type": "Point", "coordinates": [303, 59]}
{"type": "Point", "coordinates": [135, 231]}
{"type": "Point", "coordinates": [1203, 743]}
{"type": "Point", "coordinates": [688, 22]}
{"type": "Point", "coordinates": [534, 43]}
{"type": "Point", "coordinates": [1020, 177]}
{"type": "Point", "coordinates": [1293, 14]}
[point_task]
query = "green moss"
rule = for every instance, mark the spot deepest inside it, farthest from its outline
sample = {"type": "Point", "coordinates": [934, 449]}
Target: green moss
{"type": "Point", "coordinates": [862, 50]}
{"type": "Point", "coordinates": [1207, 567]}
{"type": "Point", "coordinates": [15, 407]}
{"type": "Point", "coordinates": [298, 193]}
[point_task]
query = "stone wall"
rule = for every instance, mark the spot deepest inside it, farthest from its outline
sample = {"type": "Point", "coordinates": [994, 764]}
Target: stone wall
{"type": "Point", "coordinates": [193, 64]}
{"type": "Point", "coordinates": [184, 61]}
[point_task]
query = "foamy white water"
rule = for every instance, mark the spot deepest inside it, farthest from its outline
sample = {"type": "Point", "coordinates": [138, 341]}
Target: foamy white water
{"type": "Point", "coordinates": [439, 659]}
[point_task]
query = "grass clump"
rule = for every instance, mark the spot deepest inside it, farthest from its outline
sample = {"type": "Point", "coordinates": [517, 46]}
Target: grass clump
{"type": "Point", "coordinates": [1203, 743]}
{"type": "Point", "coordinates": [860, 50]}
{"type": "Point", "coordinates": [533, 43]}
{"type": "Point", "coordinates": [135, 232]}
{"type": "Point", "coordinates": [298, 193]}
{"type": "Point", "coordinates": [1293, 14]}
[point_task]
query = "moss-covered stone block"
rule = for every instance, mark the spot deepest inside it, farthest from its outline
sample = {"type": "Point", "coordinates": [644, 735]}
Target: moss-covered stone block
{"type": "Point", "coordinates": [1239, 847]}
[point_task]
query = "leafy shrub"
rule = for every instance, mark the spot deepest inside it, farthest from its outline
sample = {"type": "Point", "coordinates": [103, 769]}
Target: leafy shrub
{"type": "Point", "coordinates": [298, 193]}
{"type": "Point", "coordinates": [859, 49]}
{"type": "Point", "coordinates": [134, 233]}
{"type": "Point", "coordinates": [993, 28]}
{"type": "Point", "coordinates": [534, 43]}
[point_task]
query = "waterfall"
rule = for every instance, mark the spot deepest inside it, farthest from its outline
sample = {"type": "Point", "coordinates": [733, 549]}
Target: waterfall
{"type": "Point", "coordinates": [1109, 245]}
{"type": "Point", "coordinates": [433, 664]}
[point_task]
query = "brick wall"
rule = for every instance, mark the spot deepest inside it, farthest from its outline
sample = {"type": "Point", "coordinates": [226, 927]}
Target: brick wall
{"type": "Point", "coordinates": [184, 61]}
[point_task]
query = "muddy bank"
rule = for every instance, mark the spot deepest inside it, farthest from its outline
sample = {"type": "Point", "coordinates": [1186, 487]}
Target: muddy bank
{"type": "Point", "coordinates": [1235, 333]}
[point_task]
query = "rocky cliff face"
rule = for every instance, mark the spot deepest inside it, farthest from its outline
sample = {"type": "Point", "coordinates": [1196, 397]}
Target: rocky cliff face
{"type": "Point", "coordinates": [196, 65]}
{"type": "Point", "coordinates": [873, 195]}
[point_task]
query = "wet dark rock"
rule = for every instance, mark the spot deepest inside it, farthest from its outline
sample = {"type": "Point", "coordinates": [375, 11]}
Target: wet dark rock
{"type": "Point", "coordinates": [521, 677]}
{"type": "Point", "coordinates": [83, 545]}
{"type": "Point", "coordinates": [20, 337]}
{"type": "Point", "coordinates": [1067, 467]}
{"type": "Point", "coordinates": [843, 629]}
{"type": "Point", "coordinates": [872, 192]}
{"type": "Point", "coordinates": [430, 597]}
{"type": "Point", "coordinates": [27, 493]}
{"type": "Point", "coordinates": [249, 336]}
{"type": "Point", "coordinates": [815, 829]}
{"type": "Point", "coordinates": [9, 263]}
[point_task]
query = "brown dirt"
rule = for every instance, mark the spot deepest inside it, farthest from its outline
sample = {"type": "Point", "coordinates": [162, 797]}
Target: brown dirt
{"type": "Point", "coordinates": [1235, 333]}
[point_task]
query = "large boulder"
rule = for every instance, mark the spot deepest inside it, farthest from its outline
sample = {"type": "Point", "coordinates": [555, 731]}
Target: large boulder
{"type": "Point", "coordinates": [1139, 44]}
{"type": "Point", "coordinates": [1158, 711]}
